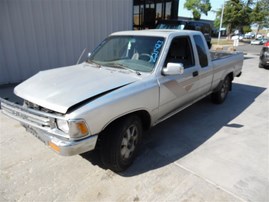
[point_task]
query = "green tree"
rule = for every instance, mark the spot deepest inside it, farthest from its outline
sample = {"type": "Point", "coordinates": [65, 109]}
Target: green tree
{"type": "Point", "coordinates": [260, 14]}
{"type": "Point", "coordinates": [246, 29]}
{"type": "Point", "coordinates": [240, 14]}
{"type": "Point", "coordinates": [236, 15]}
{"type": "Point", "coordinates": [198, 7]}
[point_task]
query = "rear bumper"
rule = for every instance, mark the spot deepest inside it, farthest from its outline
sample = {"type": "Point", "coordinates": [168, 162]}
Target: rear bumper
{"type": "Point", "coordinates": [42, 126]}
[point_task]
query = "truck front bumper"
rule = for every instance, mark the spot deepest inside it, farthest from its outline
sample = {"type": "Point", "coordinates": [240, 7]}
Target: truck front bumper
{"type": "Point", "coordinates": [42, 126]}
{"type": "Point", "coordinates": [64, 147]}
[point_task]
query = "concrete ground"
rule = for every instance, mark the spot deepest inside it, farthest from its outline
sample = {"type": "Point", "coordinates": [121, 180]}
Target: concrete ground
{"type": "Point", "coordinates": [205, 153]}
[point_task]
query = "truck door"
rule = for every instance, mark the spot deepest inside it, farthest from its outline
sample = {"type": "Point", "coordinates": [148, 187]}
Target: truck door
{"type": "Point", "coordinates": [206, 68]}
{"type": "Point", "coordinates": [179, 89]}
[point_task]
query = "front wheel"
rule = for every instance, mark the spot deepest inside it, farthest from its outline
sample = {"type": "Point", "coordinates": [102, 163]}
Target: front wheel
{"type": "Point", "coordinates": [219, 96]}
{"type": "Point", "coordinates": [120, 143]}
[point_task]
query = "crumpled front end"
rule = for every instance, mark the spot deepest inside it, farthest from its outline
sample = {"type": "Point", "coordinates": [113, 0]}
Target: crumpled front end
{"type": "Point", "coordinates": [70, 138]}
{"type": "Point", "coordinates": [61, 88]}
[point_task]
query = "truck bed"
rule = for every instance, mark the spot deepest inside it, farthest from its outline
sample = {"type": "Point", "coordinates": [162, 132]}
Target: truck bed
{"type": "Point", "coordinates": [216, 55]}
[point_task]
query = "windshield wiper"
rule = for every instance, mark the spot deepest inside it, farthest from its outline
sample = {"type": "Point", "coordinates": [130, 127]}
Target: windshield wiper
{"type": "Point", "coordinates": [94, 63]}
{"type": "Point", "coordinates": [123, 67]}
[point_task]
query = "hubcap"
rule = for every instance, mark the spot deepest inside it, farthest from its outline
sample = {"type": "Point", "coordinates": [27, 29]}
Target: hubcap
{"type": "Point", "coordinates": [129, 142]}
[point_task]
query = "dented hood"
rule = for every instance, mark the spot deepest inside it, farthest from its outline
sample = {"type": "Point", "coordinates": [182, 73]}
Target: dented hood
{"type": "Point", "coordinates": [61, 88]}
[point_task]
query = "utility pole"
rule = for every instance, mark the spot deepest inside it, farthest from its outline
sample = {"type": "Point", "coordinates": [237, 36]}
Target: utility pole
{"type": "Point", "coordinates": [220, 26]}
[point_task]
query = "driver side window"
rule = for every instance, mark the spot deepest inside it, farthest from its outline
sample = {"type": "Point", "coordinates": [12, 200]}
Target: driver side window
{"type": "Point", "coordinates": [180, 51]}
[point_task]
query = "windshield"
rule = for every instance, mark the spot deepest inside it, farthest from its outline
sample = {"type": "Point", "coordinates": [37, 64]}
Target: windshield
{"type": "Point", "coordinates": [138, 53]}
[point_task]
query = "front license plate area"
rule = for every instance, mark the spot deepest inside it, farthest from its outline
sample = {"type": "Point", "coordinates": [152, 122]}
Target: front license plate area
{"type": "Point", "coordinates": [34, 133]}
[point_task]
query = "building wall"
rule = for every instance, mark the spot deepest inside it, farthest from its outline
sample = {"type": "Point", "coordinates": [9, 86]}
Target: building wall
{"type": "Point", "coordinates": [36, 35]}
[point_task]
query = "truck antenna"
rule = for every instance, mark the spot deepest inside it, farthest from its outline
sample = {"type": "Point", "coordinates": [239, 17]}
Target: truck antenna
{"type": "Point", "coordinates": [81, 55]}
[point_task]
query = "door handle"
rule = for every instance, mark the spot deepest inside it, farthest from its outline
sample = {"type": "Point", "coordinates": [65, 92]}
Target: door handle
{"type": "Point", "coordinates": [194, 74]}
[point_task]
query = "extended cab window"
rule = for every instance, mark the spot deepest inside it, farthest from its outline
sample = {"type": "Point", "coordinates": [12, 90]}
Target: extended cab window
{"type": "Point", "coordinates": [201, 49]}
{"type": "Point", "coordinates": [180, 51]}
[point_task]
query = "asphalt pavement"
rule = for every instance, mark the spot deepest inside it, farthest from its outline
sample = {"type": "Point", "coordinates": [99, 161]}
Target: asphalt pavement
{"type": "Point", "coordinates": [249, 49]}
{"type": "Point", "coordinates": [205, 153]}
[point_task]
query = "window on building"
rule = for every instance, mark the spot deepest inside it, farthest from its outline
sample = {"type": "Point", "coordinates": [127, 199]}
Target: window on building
{"type": "Point", "coordinates": [168, 12]}
{"type": "Point", "coordinates": [148, 12]}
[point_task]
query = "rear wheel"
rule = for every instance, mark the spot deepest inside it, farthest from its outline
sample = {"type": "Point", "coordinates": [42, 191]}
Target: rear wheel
{"type": "Point", "coordinates": [120, 143]}
{"type": "Point", "coordinates": [219, 96]}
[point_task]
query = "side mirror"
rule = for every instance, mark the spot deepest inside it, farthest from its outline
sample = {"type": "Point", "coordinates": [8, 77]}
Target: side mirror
{"type": "Point", "coordinates": [173, 69]}
{"type": "Point", "coordinates": [88, 56]}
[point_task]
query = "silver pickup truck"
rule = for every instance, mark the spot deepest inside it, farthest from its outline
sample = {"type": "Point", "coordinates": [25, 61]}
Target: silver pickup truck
{"type": "Point", "coordinates": [132, 81]}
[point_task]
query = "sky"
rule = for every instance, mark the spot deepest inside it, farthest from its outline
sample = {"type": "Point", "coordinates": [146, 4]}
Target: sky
{"type": "Point", "coordinates": [215, 4]}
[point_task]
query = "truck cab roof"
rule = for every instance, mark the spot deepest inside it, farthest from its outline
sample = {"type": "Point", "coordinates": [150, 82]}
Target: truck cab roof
{"type": "Point", "coordinates": [156, 32]}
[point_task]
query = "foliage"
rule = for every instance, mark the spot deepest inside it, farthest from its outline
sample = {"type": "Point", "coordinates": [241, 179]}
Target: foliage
{"type": "Point", "coordinates": [260, 14]}
{"type": "Point", "coordinates": [235, 15]}
{"type": "Point", "coordinates": [240, 14]}
{"type": "Point", "coordinates": [246, 29]}
{"type": "Point", "coordinates": [197, 7]}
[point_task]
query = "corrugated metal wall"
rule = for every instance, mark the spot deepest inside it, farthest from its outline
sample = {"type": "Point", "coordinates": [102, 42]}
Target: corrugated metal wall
{"type": "Point", "coordinates": [42, 34]}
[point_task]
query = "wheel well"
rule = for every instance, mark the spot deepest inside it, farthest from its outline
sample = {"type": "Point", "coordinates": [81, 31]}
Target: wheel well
{"type": "Point", "coordinates": [231, 76]}
{"type": "Point", "coordinates": [142, 114]}
{"type": "Point", "coordinates": [145, 118]}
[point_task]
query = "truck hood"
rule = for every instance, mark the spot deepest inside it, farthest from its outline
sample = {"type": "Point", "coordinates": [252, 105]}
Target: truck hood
{"type": "Point", "coordinates": [61, 88]}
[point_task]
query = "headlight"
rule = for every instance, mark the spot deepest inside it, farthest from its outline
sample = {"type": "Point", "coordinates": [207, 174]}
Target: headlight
{"type": "Point", "coordinates": [63, 125]}
{"type": "Point", "coordinates": [74, 128]}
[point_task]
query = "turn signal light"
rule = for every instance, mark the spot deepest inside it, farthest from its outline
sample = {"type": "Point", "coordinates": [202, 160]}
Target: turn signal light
{"type": "Point", "coordinates": [54, 147]}
{"type": "Point", "coordinates": [82, 128]}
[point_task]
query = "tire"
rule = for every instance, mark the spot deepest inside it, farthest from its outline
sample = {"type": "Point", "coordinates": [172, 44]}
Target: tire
{"type": "Point", "coordinates": [120, 143]}
{"type": "Point", "coordinates": [261, 65]}
{"type": "Point", "coordinates": [219, 96]}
